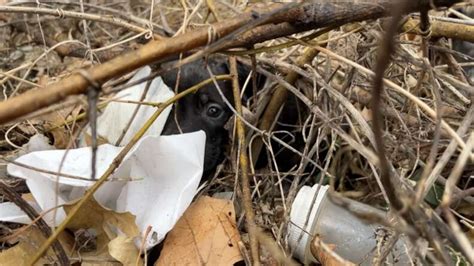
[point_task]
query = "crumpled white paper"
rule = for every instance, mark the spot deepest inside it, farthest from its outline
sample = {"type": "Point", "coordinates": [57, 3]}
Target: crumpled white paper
{"type": "Point", "coordinates": [116, 116]}
{"type": "Point", "coordinates": [9, 212]}
{"type": "Point", "coordinates": [156, 181]}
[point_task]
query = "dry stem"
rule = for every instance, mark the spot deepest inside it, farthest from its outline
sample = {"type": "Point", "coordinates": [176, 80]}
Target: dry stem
{"type": "Point", "coordinates": [244, 166]}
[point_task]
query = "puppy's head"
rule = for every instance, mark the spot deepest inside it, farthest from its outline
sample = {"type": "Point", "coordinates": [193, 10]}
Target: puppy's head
{"type": "Point", "coordinates": [204, 110]}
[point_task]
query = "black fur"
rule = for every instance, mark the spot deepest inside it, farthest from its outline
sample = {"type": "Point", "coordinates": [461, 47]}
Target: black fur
{"type": "Point", "coordinates": [204, 110]}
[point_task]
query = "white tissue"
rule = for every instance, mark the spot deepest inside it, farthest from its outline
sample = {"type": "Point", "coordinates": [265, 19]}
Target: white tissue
{"type": "Point", "coordinates": [156, 181]}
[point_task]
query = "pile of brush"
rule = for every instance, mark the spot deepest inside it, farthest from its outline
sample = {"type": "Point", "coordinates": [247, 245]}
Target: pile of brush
{"type": "Point", "coordinates": [373, 99]}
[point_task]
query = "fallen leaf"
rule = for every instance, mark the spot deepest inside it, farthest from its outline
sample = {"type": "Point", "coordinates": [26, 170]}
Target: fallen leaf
{"type": "Point", "coordinates": [123, 249]}
{"type": "Point", "coordinates": [55, 121]}
{"type": "Point", "coordinates": [21, 253]}
{"type": "Point", "coordinates": [206, 234]}
{"type": "Point", "coordinates": [94, 216]}
{"type": "Point", "coordinates": [28, 197]}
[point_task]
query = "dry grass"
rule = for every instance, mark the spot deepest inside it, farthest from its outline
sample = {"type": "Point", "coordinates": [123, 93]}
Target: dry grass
{"type": "Point", "coordinates": [330, 124]}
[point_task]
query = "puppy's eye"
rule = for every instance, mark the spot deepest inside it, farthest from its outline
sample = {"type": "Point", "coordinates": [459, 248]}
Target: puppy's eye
{"type": "Point", "coordinates": [214, 111]}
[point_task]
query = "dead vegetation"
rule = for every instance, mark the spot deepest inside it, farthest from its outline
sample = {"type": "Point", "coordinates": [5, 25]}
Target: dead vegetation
{"type": "Point", "coordinates": [314, 122]}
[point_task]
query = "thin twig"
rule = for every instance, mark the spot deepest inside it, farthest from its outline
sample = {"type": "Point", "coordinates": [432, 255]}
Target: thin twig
{"type": "Point", "coordinates": [307, 16]}
{"type": "Point", "coordinates": [244, 165]}
{"type": "Point", "coordinates": [60, 13]}
{"type": "Point", "coordinates": [447, 197]}
{"type": "Point", "coordinates": [125, 16]}
{"type": "Point", "coordinates": [400, 90]}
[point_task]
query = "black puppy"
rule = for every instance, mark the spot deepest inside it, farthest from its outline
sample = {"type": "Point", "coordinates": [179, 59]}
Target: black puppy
{"type": "Point", "coordinates": [204, 110]}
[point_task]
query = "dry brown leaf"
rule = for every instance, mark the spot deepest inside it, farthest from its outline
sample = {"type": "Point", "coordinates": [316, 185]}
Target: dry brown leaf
{"type": "Point", "coordinates": [53, 121]}
{"type": "Point", "coordinates": [124, 250]}
{"type": "Point", "coordinates": [94, 216]}
{"type": "Point", "coordinates": [205, 235]}
{"type": "Point", "coordinates": [88, 140]}
{"type": "Point", "coordinates": [57, 119]}
{"type": "Point", "coordinates": [21, 254]}
{"type": "Point", "coordinates": [28, 197]}
{"type": "Point", "coordinates": [60, 138]}
{"type": "Point", "coordinates": [96, 262]}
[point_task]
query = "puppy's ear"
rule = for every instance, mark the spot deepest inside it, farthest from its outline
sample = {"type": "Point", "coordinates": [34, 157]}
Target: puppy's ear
{"type": "Point", "coordinates": [169, 78]}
